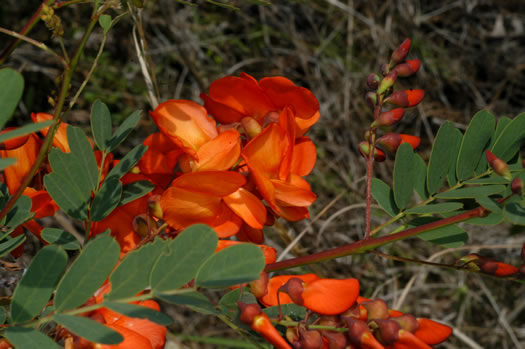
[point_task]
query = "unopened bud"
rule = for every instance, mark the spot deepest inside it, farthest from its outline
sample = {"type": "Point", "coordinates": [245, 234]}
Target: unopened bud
{"type": "Point", "coordinates": [373, 81]}
{"type": "Point", "coordinates": [414, 141]}
{"type": "Point", "coordinates": [356, 311]}
{"type": "Point", "coordinates": [408, 322]}
{"type": "Point", "coordinates": [389, 118]}
{"type": "Point", "coordinates": [385, 69]}
{"type": "Point", "coordinates": [499, 166]}
{"type": "Point", "coordinates": [387, 331]}
{"type": "Point", "coordinates": [336, 340]}
{"type": "Point", "coordinates": [329, 320]}
{"type": "Point", "coordinates": [371, 98]}
{"type": "Point", "coordinates": [387, 82]}
{"type": "Point", "coordinates": [376, 309]}
{"type": "Point", "coordinates": [400, 53]}
{"type": "Point", "coordinates": [523, 253]}
{"type": "Point", "coordinates": [259, 287]}
{"type": "Point", "coordinates": [410, 67]}
{"type": "Point", "coordinates": [517, 186]}
{"type": "Point", "coordinates": [390, 141]}
{"type": "Point", "coordinates": [294, 288]}
{"type": "Point", "coordinates": [364, 149]}
{"type": "Point", "coordinates": [248, 311]}
{"type": "Point", "coordinates": [154, 206]}
{"type": "Point", "coordinates": [406, 98]}
{"type": "Point", "coordinates": [251, 126]}
{"type": "Point", "coordinates": [310, 339]}
{"type": "Point", "coordinates": [140, 225]}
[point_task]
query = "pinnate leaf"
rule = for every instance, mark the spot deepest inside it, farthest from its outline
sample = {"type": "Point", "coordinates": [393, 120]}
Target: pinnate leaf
{"type": "Point", "coordinates": [89, 329]}
{"type": "Point", "coordinates": [107, 199]}
{"type": "Point", "coordinates": [442, 158]}
{"type": "Point", "coordinates": [28, 338]}
{"type": "Point", "coordinates": [404, 178]}
{"type": "Point", "coordinates": [124, 129]}
{"type": "Point", "coordinates": [384, 196]}
{"type": "Point", "coordinates": [60, 237]}
{"type": "Point", "coordinates": [10, 93]}
{"type": "Point", "coordinates": [101, 119]}
{"type": "Point", "coordinates": [138, 311]}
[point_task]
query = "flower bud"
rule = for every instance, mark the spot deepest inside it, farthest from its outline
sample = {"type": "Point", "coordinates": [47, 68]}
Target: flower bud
{"type": "Point", "coordinates": [251, 126]}
{"type": "Point", "coordinates": [259, 287]}
{"type": "Point", "coordinates": [387, 331]}
{"type": "Point", "coordinates": [364, 149]}
{"type": "Point", "coordinates": [523, 253]}
{"type": "Point", "coordinates": [517, 186]}
{"type": "Point", "coordinates": [499, 166]}
{"type": "Point", "coordinates": [310, 339]}
{"type": "Point", "coordinates": [389, 118]}
{"type": "Point", "coordinates": [400, 53]}
{"type": "Point", "coordinates": [371, 98]}
{"type": "Point", "coordinates": [336, 340]}
{"type": "Point", "coordinates": [408, 322]}
{"type": "Point", "coordinates": [248, 311]}
{"type": "Point", "coordinates": [408, 68]}
{"type": "Point", "coordinates": [359, 334]}
{"type": "Point", "coordinates": [414, 141]}
{"type": "Point", "coordinates": [376, 309]}
{"type": "Point", "coordinates": [140, 225]}
{"type": "Point", "coordinates": [373, 81]}
{"type": "Point", "coordinates": [385, 69]}
{"type": "Point", "coordinates": [387, 82]}
{"type": "Point", "coordinates": [294, 288]}
{"type": "Point", "coordinates": [390, 141]}
{"type": "Point", "coordinates": [154, 206]}
{"type": "Point", "coordinates": [406, 98]}
{"type": "Point", "coordinates": [357, 312]}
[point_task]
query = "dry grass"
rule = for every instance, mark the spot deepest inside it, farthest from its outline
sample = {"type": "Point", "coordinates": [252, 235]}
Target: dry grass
{"type": "Point", "coordinates": [473, 55]}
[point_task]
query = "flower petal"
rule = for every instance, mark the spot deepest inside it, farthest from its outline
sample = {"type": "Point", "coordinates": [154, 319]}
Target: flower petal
{"type": "Point", "coordinates": [213, 183]}
{"type": "Point", "coordinates": [304, 157]}
{"type": "Point", "coordinates": [283, 92]}
{"type": "Point", "coordinates": [270, 298]}
{"type": "Point", "coordinates": [330, 296]}
{"type": "Point", "coordinates": [186, 123]}
{"type": "Point", "coordinates": [247, 206]}
{"type": "Point", "coordinates": [293, 193]}
{"type": "Point", "coordinates": [221, 153]}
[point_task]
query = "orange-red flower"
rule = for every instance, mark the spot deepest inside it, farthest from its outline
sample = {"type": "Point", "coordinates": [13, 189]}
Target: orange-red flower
{"type": "Point", "coordinates": [137, 333]}
{"type": "Point", "coordinates": [232, 98]}
{"type": "Point", "coordinates": [60, 138]}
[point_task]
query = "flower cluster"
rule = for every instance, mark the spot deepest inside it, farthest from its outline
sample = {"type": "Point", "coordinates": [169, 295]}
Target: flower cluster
{"type": "Point", "coordinates": [346, 318]}
{"type": "Point", "coordinates": [381, 93]}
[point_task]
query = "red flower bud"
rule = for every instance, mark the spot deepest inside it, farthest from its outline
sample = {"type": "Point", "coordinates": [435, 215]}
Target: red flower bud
{"type": "Point", "coordinates": [499, 166]}
{"type": "Point", "coordinates": [252, 315]}
{"type": "Point", "coordinates": [400, 53]}
{"type": "Point", "coordinates": [387, 331]}
{"type": "Point", "coordinates": [387, 82]}
{"type": "Point", "coordinates": [336, 340]}
{"type": "Point", "coordinates": [259, 287]}
{"type": "Point", "coordinates": [390, 141]}
{"type": "Point", "coordinates": [408, 322]}
{"type": "Point", "coordinates": [376, 309]}
{"type": "Point", "coordinates": [310, 339]}
{"type": "Point", "coordinates": [359, 334]}
{"type": "Point", "coordinates": [373, 81]}
{"type": "Point", "coordinates": [389, 118]}
{"type": "Point", "coordinates": [294, 288]}
{"type": "Point", "coordinates": [406, 98]}
{"type": "Point", "coordinates": [410, 67]}
{"type": "Point", "coordinates": [498, 268]}
{"type": "Point", "coordinates": [517, 186]}
{"type": "Point", "coordinates": [364, 149]}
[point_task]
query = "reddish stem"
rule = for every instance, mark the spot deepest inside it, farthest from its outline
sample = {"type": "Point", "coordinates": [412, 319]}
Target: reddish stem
{"type": "Point", "coordinates": [365, 245]}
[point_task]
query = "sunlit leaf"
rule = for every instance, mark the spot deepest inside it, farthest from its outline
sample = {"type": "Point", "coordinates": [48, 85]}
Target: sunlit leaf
{"type": "Point", "coordinates": [87, 272]}
{"type": "Point", "coordinates": [508, 142]}
{"type": "Point", "coordinates": [231, 266]}
{"type": "Point", "coordinates": [183, 257]}
{"type": "Point", "coordinates": [60, 237]}
{"type": "Point", "coordinates": [138, 311]}
{"type": "Point", "coordinates": [28, 338]}
{"type": "Point", "coordinates": [89, 329]}
{"type": "Point", "coordinates": [441, 158]}
{"type": "Point", "coordinates": [420, 177]}
{"type": "Point", "coordinates": [38, 283]}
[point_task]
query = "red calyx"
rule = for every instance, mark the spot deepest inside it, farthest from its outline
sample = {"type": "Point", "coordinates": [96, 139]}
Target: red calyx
{"type": "Point", "coordinates": [410, 67]}
{"type": "Point", "coordinates": [406, 98]}
{"type": "Point", "coordinates": [389, 118]}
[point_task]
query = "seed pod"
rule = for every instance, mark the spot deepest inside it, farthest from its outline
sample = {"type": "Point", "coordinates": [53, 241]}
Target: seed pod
{"type": "Point", "coordinates": [400, 53]}
{"type": "Point", "coordinates": [406, 98]}
{"type": "Point", "coordinates": [410, 67]}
